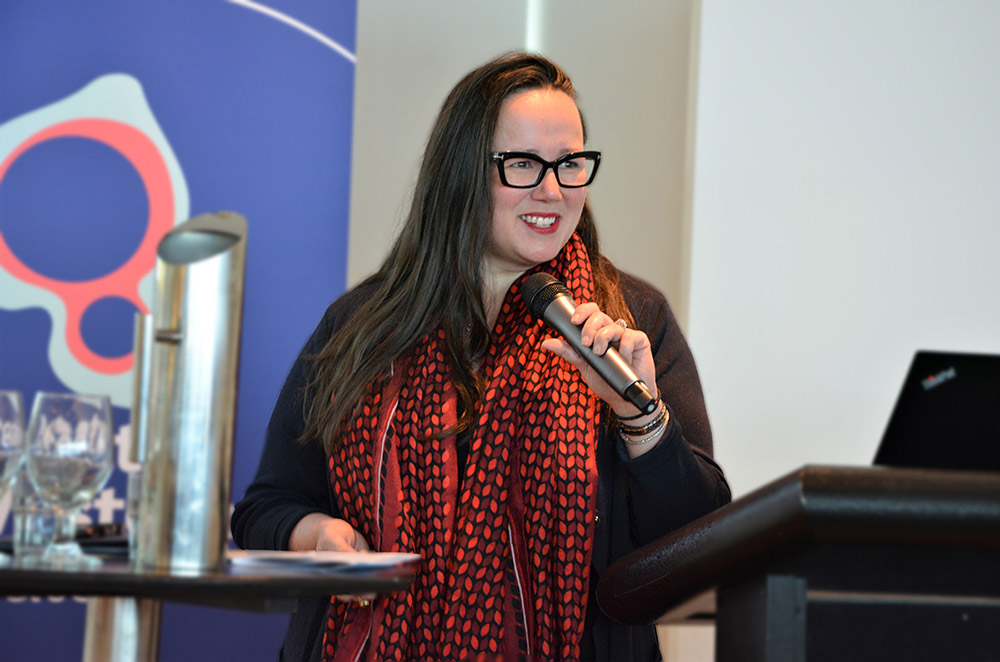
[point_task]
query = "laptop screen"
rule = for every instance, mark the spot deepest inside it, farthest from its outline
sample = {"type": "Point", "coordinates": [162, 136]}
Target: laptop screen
{"type": "Point", "coordinates": [947, 415]}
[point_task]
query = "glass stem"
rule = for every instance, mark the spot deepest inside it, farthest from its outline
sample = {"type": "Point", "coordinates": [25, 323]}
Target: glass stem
{"type": "Point", "coordinates": [65, 526]}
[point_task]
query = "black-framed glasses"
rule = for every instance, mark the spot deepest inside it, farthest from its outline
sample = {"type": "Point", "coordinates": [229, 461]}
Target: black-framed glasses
{"type": "Point", "coordinates": [526, 170]}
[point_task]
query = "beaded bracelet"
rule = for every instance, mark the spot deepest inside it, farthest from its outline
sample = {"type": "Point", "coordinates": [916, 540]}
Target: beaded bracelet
{"type": "Point", "coordinates": [642, 441]}
{"type": "Point", "coordinates": [635, 431]}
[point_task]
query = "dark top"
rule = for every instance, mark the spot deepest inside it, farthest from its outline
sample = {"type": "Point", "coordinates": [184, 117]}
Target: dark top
{"type": "Point", "coordinates": [638, 500]}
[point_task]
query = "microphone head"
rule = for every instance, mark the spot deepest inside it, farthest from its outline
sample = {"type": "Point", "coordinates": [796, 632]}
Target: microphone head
{"type": "Point", "coordinates": [539, 290]}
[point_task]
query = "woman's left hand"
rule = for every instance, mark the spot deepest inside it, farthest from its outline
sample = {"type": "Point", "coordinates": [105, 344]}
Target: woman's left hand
{"type": "Point", "coordinates": [600, 332]}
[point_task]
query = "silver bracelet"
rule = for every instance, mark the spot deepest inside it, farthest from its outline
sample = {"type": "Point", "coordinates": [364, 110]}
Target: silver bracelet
{"type": "Point", "coordinates": [645, 439]}
{"type": "Point", "coordinates": [640, 430]}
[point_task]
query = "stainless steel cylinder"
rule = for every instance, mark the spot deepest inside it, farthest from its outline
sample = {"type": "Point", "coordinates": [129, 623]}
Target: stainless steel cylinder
{"type": "Point", "coordinates": [122, 630]}
{"type": "Point", "coordinates": [190, 414]}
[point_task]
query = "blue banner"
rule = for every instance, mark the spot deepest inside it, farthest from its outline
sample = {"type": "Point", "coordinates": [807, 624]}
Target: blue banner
{"type": "Point", "coordinates": [119, 120]}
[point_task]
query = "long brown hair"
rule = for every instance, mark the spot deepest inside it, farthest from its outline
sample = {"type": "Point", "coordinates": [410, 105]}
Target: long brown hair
{"type": "Point", "coordinates": [432, 276]}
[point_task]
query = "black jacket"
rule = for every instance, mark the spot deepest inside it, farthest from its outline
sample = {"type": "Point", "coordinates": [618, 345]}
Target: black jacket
{"type": "Point", "coordinates": [638, 500]}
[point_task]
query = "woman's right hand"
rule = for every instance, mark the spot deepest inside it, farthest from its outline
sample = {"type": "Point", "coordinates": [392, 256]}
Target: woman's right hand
{"type": "Point", "coordinates": [320, 532]}
{"type": "Point", "coordinates": [323, 533]}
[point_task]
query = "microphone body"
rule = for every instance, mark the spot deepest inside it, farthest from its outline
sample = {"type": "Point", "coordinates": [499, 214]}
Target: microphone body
{"type": "Point", "coordinates": [550, 301]}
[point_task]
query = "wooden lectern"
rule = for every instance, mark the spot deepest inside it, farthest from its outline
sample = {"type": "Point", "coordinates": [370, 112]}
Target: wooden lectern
{"type": "Point", "coordinates": [832, 563]}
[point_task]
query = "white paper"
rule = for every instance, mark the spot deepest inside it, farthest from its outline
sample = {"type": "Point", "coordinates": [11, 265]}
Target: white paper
{"type": "Point", "coordinates": [319, 560]}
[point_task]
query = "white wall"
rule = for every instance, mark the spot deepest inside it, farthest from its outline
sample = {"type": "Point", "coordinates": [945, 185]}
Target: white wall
{"type": "Point", "coordinates": [846, 213]}
{"type": "Point", "coordinates": [629, 60]}
{"type": "Point", "coordinates": [410, 54]}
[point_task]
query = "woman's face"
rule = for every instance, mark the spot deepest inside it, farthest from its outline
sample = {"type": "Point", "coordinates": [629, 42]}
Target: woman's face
{"type": "Point", "coordinates": [531, 225]}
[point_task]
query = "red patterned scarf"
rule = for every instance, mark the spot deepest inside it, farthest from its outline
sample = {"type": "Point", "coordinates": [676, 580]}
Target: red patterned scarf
{"type": "Point", "coordinates": [507, 549]}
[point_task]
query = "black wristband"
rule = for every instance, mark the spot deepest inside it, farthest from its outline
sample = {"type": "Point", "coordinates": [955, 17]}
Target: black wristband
{"type": "Point", "coordinates": [636, 431]}
{"type": "Point", "coordinates": [639, 415]}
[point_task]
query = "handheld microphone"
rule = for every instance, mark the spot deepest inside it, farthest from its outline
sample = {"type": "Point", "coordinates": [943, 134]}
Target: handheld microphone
{"type": "Point", "coordinates": [551, 302]}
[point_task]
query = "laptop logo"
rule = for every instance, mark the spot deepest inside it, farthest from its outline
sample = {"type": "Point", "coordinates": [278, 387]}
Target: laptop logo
{"type": "Point", "coordinates": [938, 379]}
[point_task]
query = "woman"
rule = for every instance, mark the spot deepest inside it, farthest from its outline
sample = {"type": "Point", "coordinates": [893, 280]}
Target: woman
{"type": "Point", "coordinates": [430, 412]}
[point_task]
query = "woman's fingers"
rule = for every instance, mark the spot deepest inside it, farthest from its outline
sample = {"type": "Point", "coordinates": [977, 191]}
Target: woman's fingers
{"type": "Point", "coordinates": [599, 332]}
{"type": "Point", "coordinates": [338, 536]}
{"type": "Point", "coordinates": [593, 320]}
{"type": "Point", "coordinates": [363, 600]}
{"type": "Point", "coordinates": [633, 346]}
{"type": "Point", "coordinates": [608, 335]}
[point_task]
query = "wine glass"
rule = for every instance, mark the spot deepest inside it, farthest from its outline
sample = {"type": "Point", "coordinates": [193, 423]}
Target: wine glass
{"type": "Point", "coordinates": [69, 457]}
{"type": "Point", "coordinates": [11, 443]}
